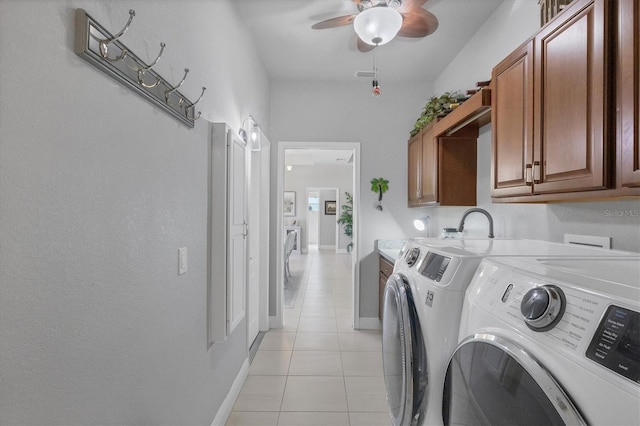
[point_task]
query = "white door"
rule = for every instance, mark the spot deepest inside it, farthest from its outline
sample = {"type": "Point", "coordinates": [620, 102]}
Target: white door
{"type": "Point", "coordinates": [237, 231]}
{"type": "Point", "coordinates": [253, 284]}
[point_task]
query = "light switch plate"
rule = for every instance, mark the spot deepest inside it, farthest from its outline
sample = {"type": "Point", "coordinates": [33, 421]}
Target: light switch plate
{"type": "Point", "coordinates": [182, 260]}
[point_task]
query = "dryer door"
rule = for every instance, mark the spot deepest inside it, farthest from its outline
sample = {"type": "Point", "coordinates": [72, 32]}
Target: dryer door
{"type": "Point", "coordinates": [493, 381]}
{"type": "Point", "coordinates": [403, 354]}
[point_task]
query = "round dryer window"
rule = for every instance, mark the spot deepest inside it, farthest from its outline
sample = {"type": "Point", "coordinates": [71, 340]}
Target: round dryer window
{"type": "Point", "coordinates": [492, 381]}
{"type": "Point", "coordinates": [403, 354]}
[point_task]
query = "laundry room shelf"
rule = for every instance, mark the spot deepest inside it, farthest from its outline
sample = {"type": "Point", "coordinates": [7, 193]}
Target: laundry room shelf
{"type": "Point", "coordinates": [475, 111]}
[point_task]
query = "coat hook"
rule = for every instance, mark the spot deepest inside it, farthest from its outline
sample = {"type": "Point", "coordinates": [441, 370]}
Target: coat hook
{"type": "Point", "coordinates": [104, 44]}
{"type": "Point", "coordinates": [192, 108]}
{"type": "Point", "coordinates": [173, 89]}
{"type": "Point", "coordinates": [142, 70]}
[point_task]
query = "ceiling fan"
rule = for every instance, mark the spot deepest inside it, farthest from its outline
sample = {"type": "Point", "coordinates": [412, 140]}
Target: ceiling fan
{"type": "Point", "coordinates": [379, 21]}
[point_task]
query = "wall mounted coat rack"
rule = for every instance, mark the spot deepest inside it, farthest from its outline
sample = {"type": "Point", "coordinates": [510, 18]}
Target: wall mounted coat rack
{"type": "Point", "coordinates": [104, 51]}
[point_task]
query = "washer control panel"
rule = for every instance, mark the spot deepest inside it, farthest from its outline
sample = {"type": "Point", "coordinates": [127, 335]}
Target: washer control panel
{"type": "Point", "coordinates": [434, 265]}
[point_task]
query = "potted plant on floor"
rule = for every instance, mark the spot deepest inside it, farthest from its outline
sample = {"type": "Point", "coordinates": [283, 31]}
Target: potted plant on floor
{"type": "Point", "coordinates": [346, 218]}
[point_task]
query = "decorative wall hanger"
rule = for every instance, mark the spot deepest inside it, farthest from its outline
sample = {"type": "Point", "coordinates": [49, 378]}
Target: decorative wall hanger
{"type": "Point", "coordinates": [103, 50]}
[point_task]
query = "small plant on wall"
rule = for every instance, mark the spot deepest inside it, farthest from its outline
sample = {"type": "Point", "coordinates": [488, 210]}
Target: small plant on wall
{"type": "Point", "coordinates": [346, 218]}
{"type": "Point", "coordinates": [379, 186]}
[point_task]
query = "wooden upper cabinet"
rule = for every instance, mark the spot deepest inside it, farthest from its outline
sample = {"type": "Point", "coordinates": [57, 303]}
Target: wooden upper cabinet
{"type": "Point", "coordinates": [629, 92]}
{"type": "Point", "coordinates": [415, 160]}
{"type": "Point", "coordinates": [423, 165]}
{"type": "Point", "coordinates": [572, 128]}
{"type": "Point", "coordinates": [442, 169]}
{"type": "Point", "coordinates": [512, 121]}
{"type": "Point", "coordinates": [429, 174]}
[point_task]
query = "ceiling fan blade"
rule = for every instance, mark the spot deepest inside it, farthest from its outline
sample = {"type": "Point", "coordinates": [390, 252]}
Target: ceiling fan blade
{"type": "Point", "coordinates": [409, 5]}
{"type": "Point", "coordinates": [334, 22]}
{"type": "Point", "coordinates": [364, 47]}
{"type": "Point", "coordinates": [418, 23]}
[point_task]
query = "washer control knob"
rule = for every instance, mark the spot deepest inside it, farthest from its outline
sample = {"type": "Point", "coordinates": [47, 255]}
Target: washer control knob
{"type": "Point", "coordinates": [542, 307]}
{"type": "Point", "coordinates": [412, 256]}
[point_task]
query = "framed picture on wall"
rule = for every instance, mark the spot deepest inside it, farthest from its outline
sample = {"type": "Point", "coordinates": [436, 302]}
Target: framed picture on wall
{"type": "Point", "coordinates": [289, 203]}
{"type": "Point", "coordinates": [330, 208]}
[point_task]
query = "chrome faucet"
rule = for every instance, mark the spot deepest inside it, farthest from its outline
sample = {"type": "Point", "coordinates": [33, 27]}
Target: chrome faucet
{"type": "Point", "coordinates": [484, 212]}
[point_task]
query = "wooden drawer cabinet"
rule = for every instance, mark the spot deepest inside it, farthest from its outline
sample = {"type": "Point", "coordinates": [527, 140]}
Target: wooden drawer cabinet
{"type": "Point", "coordinates": [386, 269]}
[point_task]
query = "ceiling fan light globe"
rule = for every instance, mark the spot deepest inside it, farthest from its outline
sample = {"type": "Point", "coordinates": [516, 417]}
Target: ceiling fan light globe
{"type": "Point", "coordinates": [377, 25]}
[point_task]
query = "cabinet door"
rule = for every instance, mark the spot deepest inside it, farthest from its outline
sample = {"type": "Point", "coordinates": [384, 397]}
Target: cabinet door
{"type": "Point", "coordinates": [570, 100]}
{"type": "Point", "coordinates": [629, 92]}
{"type": "Point", "coordinates": [415, 158]}
{"type": "Point", "coordinates": [429, 168]}
{"type": "Point", "coordinates": [512, 121]}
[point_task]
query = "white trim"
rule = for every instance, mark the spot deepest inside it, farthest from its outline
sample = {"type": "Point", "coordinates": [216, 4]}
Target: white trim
{"type": "Point", "coordinates": [227, 405]}
{"type": "Point", "coordinates": [370, 323]}
{"type": "Point", "coordinates": [342, 251]}
{"type": "Point", "coordinates": [327, 247]}
{"type": "Point", "coordinates": [274, 322]}
{"type": "Point", "coordinates": [355, 285]}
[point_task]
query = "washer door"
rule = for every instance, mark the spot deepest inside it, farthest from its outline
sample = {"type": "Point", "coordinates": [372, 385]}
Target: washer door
{"type": "Point", "coordinates": [492, 381]}
{"type": "Point", "coordinates": [403, 354]}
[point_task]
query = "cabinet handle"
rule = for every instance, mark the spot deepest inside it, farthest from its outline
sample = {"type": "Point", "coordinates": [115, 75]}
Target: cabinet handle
{"type": "Point", "coordinates": [536, 172]}
{"type": "Point", "coordinates": [528, 180]}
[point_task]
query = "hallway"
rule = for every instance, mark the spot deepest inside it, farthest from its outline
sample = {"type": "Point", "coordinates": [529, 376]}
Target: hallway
{"type": "Point", "coordinates": [316, 370]}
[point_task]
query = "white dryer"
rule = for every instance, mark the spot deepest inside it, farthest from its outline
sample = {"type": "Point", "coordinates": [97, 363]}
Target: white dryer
{"type": "Point", "coordinates": [421, 315]}
{"type": "Point", "coordinates": [548, 341]}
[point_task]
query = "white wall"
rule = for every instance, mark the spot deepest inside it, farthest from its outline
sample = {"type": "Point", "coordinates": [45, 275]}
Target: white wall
{"type": "Point", "coordinates": [98, 190]}
{"type": "Point", "coordinates": [328, 223]}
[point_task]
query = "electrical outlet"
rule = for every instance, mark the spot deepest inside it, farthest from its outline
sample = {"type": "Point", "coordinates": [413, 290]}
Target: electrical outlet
{"type": "Point", "coordinates": [182, 260]}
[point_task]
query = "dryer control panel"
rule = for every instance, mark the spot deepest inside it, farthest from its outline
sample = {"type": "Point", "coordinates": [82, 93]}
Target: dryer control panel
{"type": "Point", "coordinates": [591, 326]}
{"type": "Point", "coordinates": [616, 344]}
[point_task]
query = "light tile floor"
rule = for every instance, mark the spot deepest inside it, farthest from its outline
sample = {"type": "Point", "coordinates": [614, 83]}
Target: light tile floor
{"type": "Point", "coordinates": [317, 370]}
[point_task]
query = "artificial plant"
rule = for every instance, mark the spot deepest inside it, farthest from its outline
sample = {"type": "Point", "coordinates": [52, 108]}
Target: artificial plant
{"type": "Point", "coordinates": [435, 107]}
{"type": "Point", "coordinates": [379, 186]}
{"type": "Point", "coordinates": [346, 218]}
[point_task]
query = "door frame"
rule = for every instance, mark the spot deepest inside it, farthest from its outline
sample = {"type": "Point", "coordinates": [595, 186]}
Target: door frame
{"type": "Point", "coordinates": [355, 259]}
{"type": "Point", "coordinates": [258, 219]}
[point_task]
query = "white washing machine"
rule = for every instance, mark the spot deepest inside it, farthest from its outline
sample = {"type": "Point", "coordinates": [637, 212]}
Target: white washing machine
{"type": "Point", "coordinates": [422, 305]}
{"type": "Point", "coordinates": [548, 341]}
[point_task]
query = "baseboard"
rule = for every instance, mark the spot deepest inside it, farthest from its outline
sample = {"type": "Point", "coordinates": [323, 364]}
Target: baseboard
{"type": "Point", "coordinates": [369, 323]}
{"type": "Point", "coordinates": [342, 251]}
{"type": "Point", "coordinates": [327, 247]}
{"type": "Point", "coordinates": [274, 323]}
{"type": "Point", "coordinates": [227, 405]}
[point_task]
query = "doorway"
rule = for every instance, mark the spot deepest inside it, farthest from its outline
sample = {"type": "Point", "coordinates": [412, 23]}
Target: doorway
{"type": "Point", "coordinates": [353, 151]}
{"type": "Point", "coordinates": [323, 229]}
{"type": "Point", "coordinates": [259, 171]}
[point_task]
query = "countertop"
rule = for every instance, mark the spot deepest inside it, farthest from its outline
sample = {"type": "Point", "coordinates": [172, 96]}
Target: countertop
{"type": "Point", "coordinates": [389, 249]}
